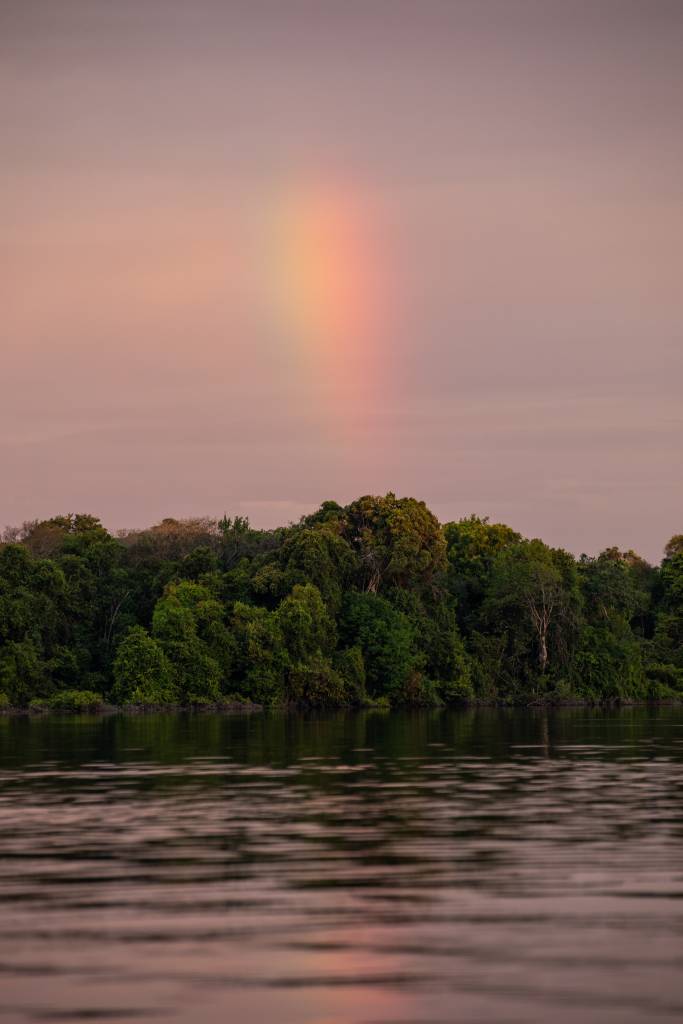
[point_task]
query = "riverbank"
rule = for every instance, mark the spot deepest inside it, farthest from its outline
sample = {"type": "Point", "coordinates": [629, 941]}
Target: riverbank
{"type": "Point", "coordinates": [36, 710]}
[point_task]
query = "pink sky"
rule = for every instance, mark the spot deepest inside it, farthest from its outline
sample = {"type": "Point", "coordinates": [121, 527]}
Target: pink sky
{"type": "Point", "coordinates": [256, 255]}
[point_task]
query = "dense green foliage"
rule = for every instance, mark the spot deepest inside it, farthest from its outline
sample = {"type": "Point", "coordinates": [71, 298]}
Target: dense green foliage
{"type": "Point", "coordinates": [375, 602]}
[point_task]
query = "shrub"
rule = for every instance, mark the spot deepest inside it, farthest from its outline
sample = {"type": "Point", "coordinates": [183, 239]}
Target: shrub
{"type": "Point", "coordinates": [315, 683]}
{"type": "Point", "coordinates": [260, 654]}
{"type": "Point", "coordinates": [142, 674]}
{"type": "Point", "coordinates": [457, 691]}
{"type": "Point", "coordinates": [75, 700]}
{"type": "Point", "coordinates": [608, 664]}
{"type": "Point", "coordinates": [386, 639]}
{"type": "Point", "coordinates": [664, 681]}
{"type": "Point", "coordinates": [351, 667]}
{"type": "Point", "coordinates": [417, 691]}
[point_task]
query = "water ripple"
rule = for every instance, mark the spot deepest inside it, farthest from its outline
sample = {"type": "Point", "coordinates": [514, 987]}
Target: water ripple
{"type": "Point", "coordinates": [475, 866]}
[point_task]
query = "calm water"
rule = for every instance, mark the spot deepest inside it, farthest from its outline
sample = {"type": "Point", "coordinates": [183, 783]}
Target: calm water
{"type": "Point", "coordinates": [430, 867]}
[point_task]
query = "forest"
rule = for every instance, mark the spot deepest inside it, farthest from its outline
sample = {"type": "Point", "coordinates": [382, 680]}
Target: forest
{"type": "Point", "coordinates": [372, 604]}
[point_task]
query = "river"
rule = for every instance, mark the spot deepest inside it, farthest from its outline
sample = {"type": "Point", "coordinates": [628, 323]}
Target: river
{"type": "Point", "coordinates": [474, 866]}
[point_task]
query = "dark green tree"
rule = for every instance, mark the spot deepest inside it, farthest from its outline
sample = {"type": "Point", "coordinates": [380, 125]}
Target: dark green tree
{"type": "Point", "coordinates": [398, 542]}
{"type": "Point", "coordinates": [142, 672]}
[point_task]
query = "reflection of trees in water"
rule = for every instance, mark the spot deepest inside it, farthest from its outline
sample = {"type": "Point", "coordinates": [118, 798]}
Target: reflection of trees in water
{"type": "Point", "coordinates": [367, 860]}
{"type": "Point", "coordinates": [278, 738]}
{"type": "Point", "coordinates": [368, 801]}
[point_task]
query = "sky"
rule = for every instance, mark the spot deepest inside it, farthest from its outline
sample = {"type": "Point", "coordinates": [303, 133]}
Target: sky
{"type": "Point", "coordinates": [256, 255]}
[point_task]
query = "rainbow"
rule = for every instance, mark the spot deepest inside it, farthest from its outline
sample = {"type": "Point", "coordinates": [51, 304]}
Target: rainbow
{"type": "Point", "coordinates": [327, 300]}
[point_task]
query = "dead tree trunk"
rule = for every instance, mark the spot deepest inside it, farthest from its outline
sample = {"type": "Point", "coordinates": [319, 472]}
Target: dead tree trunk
{"type": "Point", "coordinates": [541, 610]}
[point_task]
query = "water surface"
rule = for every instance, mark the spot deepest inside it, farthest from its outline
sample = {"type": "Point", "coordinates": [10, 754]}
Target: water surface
{"type": "Point", "coordinates": [476, 866]}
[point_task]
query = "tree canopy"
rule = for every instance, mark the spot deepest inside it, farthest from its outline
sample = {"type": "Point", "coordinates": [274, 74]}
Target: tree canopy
{"type": "Point", "coordinates": [374, 601]}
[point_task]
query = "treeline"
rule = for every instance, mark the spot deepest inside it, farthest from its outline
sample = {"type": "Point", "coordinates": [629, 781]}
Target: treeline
{"type": "Point", "coordinates": [375, 602]}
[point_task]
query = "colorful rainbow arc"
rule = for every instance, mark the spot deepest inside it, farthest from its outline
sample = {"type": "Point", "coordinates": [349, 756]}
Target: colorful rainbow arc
{"type": "Point", "coordinates": [327, 295]}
